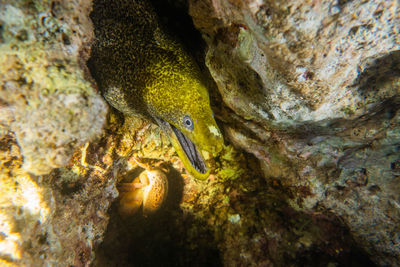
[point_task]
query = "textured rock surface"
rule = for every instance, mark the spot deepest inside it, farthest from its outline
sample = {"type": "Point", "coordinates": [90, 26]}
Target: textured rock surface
{"type": "Point", "coordinates": [49, 219]}
{"type": "Point", "coordinates": [44, 97]}
{"type": "Point", "coordinates": [316, 84]}
{"type": "Point", "coordinates": [302, 61]}
{"type": "Point", "coordinates": [47, 110]}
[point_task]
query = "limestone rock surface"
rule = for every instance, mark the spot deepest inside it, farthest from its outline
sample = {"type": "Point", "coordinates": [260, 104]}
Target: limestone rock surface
{"type": "Point", "coordinates": [45, 96]}
{"type": "Point", "coordinates": [48, 110]}
{"type": "Point", "coordinates": [312, 89]}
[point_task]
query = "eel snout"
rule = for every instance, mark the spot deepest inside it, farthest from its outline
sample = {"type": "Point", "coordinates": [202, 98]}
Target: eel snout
{"type": "Point", "coordinates": [191, 151]}
{"type": "Point", "coordinates": [187, 151]}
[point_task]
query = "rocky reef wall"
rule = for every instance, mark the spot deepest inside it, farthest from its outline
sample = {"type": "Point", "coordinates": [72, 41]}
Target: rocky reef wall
{"type": "Point", "coordinates": [312, 90]}
{"type": "Point", "coordinates": [48, 109]}
{"type": "Point", "coordinates": [307, 96]}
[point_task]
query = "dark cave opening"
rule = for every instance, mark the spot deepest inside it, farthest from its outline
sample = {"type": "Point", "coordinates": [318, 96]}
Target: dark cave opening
{"type": "Point", "coordinates": [173, 15]}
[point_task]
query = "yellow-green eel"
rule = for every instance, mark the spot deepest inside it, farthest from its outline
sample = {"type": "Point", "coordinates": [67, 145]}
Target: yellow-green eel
{"type": "Point", "coordinates": [142, 70]}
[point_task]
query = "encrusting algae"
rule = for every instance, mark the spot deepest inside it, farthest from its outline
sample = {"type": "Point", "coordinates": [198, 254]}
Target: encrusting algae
{"type": "Point", "coordinates": [141, 70]}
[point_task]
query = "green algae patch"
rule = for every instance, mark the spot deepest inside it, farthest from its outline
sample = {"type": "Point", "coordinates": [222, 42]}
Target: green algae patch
{"type": "Point", "coordinates": [48, 103]}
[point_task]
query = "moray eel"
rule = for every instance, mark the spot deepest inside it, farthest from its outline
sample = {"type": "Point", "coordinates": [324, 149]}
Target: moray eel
{"type": "Point", "coordinates": [142, 70]}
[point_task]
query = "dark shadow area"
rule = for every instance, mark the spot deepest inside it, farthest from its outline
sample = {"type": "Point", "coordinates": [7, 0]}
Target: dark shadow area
{"type": "Point", "coordinates": [161, 239]}
{"type": "Point", "coordinates": [174, 18]}
{"type": "Point", "coordinates": [336, 244]}
{"type": "Point", "coordinates": [332, 242]}
{"type": "Point", "coordinates": [318, 258]}
{"type": "Point", "coordinates": [379, 72]}
{"type": "Point", "coordinates": [339, 127]}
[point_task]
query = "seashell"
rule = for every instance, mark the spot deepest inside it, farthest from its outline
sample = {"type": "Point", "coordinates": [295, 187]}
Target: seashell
{"type": "Point", "coordinates": [148, 191]}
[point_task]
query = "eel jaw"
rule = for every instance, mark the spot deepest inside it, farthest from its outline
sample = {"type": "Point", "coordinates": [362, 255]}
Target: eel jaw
{"type": "Point", "coordinates": [191, 151]}
{"type": "Point", "coordinates": [186, 150]}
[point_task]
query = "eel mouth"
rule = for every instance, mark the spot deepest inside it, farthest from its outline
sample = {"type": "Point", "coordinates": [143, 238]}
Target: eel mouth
{"type": "Point", "coordinates": [191, 151]}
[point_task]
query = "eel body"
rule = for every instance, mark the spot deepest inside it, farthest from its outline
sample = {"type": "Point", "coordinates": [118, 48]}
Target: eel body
{"type": "Point", "coordinates": [142, 70]}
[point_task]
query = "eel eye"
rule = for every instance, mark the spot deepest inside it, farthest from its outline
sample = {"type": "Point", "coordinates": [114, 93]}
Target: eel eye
{"type": "Point", "coordinates": [188, 122]}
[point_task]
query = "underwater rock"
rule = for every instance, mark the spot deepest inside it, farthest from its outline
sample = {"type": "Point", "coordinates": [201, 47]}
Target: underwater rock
{"type": "Point", "coordinates": [48, 109]}
{"type": "Point", "coordinates": [49, 219]}
{"type": "Point", "coordinates": [300, 62]}
{"type": "Point", "coordinates": [46, 98]}
{"type": "Point", "coordinates": [315, 92]}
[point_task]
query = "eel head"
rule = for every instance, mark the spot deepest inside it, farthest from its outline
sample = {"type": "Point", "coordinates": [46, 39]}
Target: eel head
{"type": "Point", "coordinates": [193, 132]}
